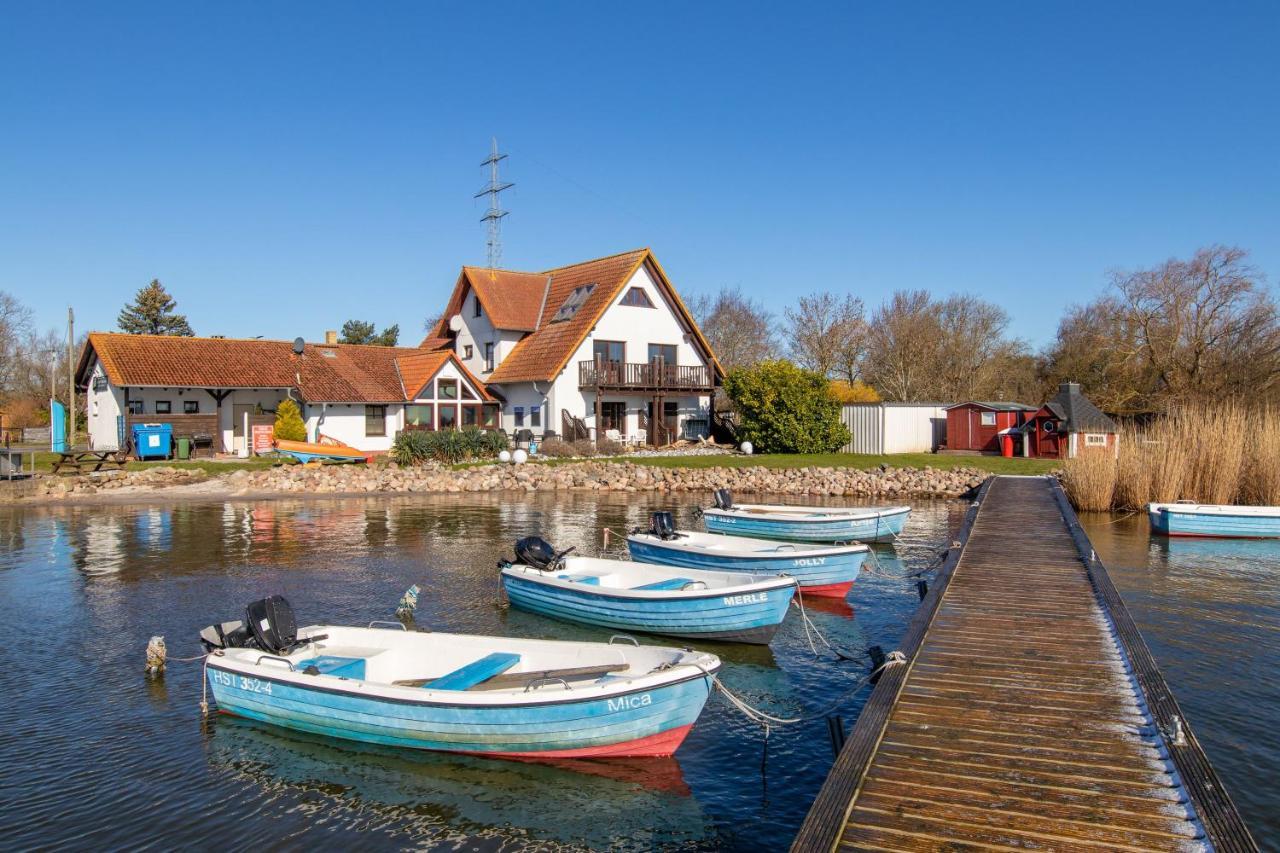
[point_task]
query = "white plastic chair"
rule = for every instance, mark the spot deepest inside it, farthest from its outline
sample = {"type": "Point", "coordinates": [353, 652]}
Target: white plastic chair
{"type": "Point", "coordinates": [641, 436]}
{"type": "Point", "coordinates": [613, 435]}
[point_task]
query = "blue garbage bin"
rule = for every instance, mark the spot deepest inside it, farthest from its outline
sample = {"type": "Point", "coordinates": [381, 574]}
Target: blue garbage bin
{"type": "Point", "coordinates": [152, 441]}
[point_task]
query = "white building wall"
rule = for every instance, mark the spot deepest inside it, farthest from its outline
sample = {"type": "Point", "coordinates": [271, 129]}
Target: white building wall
{"type": "Point", "coordinates": [478, 331]}
{"type": "Point", "coordinates": [104, 407]}
{"type": "Point", "coordinates": [345, 422]}
{"type": "Point", "coordinates": [636, 328]}
{"type": "Point", "coordinates": [878, 428]}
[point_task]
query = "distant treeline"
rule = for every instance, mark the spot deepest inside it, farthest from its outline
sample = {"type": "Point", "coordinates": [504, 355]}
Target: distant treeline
{"type": "Point", "coordinates": [1185, 331]}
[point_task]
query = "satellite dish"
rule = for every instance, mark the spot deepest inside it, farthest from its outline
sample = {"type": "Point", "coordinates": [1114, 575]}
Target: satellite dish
{"type": "Point", "coordinates": [455, 322]}
{"type": "Point", "coordinates": [298, 346]}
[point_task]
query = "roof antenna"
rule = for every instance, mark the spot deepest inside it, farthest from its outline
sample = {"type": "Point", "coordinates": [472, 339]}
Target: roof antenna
{"type": "Point", "coordinates": [494, 214]}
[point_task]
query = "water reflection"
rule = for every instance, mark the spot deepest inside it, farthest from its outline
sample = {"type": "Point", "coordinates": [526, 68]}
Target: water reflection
{"type": "Point", "coordinates": [91, 584]}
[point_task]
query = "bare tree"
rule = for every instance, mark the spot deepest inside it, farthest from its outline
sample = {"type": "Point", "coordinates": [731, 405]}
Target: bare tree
{"type": "Point", "coordinates": [738, 328]}
{"type": "Point", "coordinates": [827, 334]}
{"type": "Point", "coordinates": [1185, 330]}
{"type": "Point", "coordinates": [15, 326]}
{"type": "Point", "coordinates": [904, 345]}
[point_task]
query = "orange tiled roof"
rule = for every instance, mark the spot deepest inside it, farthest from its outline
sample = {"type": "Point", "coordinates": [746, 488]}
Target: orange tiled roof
{"type": "Point", "coordinates": [417, 370]}
{"type": "Point", "coordinates": [341, 373]}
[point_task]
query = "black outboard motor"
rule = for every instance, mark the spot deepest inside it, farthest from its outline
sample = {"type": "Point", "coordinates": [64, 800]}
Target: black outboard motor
{"type": "Point", "coordinates": [723, 498]}
{"type": "Point", "coordinates": [271, 622]}
{"type": "Point", "coordinates": [538, 553]}
{"type": "Point", "coordinates": [663, 525]}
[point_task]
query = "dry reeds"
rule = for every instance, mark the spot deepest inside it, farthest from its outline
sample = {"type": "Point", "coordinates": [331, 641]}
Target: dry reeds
{"type": "Point", "coordinates": [1224, 454]}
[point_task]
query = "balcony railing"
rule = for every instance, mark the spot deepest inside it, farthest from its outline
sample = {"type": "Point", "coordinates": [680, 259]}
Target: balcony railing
{"type": "Point", "coordinates": [644, 376]}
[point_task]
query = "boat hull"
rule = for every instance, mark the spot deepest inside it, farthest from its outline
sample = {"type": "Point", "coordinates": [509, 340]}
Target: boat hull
{"type": "Point", "coordinates": [741, 617]}
{"type": "Point", "coordinates": [1221, 523]}
{"type": "Point", "coordinates": [647, 722]}
{"type": "Point", "coordinates": [873, 528]}
{"type": "Point", "coordinates": [831, 576]}
{"type": "Point", "coordinates": [305, 451]}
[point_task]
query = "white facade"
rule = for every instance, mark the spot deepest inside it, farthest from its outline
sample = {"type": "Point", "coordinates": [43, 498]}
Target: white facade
{"type": "Point", "coordinates": [879, 428]}
{"type": "Point", "coordinates": [636, 328]}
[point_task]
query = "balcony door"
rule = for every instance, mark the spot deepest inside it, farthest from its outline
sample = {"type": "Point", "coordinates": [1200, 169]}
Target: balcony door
{"type": "Point", "coordinates": [662, 361]}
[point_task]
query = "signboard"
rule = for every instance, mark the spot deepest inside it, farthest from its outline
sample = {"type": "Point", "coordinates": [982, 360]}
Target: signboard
{"type": "Point", "coordinates": [263, 435]}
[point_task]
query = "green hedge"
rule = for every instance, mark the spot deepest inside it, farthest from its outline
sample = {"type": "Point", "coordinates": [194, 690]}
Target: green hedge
{"type": "Point", "coordinates": [783, 408]}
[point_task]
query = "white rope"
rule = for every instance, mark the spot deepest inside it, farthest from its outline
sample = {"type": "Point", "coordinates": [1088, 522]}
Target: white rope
{"type": "Point", "coordinates": [767, 720]}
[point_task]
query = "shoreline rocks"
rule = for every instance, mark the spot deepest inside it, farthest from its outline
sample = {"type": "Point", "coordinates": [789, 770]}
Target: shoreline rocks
{"type": "Point", "coordinates": [612, 476]}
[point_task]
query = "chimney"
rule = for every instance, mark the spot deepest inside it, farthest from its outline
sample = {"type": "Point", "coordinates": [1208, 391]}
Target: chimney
{"type": "Point", "coordinates": [1072, 388]}
{"type": "Point", "coordinates": [330, 337]}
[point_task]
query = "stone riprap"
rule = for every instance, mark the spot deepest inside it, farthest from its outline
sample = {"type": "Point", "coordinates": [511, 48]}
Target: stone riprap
{"type": "Point", "coordinates": [579, 476]}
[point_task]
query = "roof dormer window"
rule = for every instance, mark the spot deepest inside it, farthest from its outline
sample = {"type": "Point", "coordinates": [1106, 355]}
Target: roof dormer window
{"type": "Point", "coordinates": [571, 305]}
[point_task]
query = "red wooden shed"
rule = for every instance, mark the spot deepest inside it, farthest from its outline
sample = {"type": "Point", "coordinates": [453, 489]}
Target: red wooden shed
{"type": "Point", "coordinates": [976, 425]}
{"type": "Point", "coordinates": [1069, 425]}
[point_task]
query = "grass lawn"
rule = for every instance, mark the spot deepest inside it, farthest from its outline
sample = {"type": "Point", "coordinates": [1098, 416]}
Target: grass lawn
{"type": "Point", "coordinates": [44, 464]}
{"type": "Point", "coordinates": [993, 464]}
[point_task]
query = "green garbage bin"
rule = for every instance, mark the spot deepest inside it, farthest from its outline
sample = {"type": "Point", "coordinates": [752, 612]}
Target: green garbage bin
{"type": "Point", "coordinates": [184, 448]}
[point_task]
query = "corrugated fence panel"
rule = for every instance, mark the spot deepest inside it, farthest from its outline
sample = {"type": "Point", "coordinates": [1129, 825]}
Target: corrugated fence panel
{"type": "Point", "coordinates": [895, 428]}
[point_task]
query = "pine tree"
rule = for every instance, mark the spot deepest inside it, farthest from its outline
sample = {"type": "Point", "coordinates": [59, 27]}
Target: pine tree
{"type": "Point", "coordinates": [361, 332]}
{"type": "Point", "coordinates": [151, 313]}
{"type": "Point", "coordinates": [289, 425]}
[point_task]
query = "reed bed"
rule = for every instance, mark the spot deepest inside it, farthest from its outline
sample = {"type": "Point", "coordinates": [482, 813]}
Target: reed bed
{"type": "Point", "coordinates": [1227, 454]}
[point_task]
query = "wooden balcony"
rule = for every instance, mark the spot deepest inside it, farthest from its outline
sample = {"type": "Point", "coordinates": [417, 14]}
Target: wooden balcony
{"type": "Point", "coordinates": [653, 376]}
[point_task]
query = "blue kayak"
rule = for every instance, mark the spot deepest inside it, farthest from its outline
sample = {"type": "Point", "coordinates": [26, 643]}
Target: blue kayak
{"type": "Point", "coordinates": [628, 596]}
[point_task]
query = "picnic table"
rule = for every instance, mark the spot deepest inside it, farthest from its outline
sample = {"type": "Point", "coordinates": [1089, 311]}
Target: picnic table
{"type": "Point", "coordinates": [87, 461]}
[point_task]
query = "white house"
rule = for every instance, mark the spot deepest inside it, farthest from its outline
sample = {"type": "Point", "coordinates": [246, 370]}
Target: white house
{"type": "Point", "coordinates": [600, 348]}
{"type": "Point", "coordinates": [217, 389]}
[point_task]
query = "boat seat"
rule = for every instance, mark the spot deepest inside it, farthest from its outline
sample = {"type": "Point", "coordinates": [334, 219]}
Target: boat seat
{"type": "Point", "coordinates": [466, 677]}
{"type": "Point", "coordinates": [669, 583]}
{"type": "Point", "coordinates": [587, 579]}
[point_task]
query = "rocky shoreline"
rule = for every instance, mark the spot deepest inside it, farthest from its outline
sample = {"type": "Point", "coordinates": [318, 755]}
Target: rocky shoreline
{"type": "Point", "coordinates": [297, 480]}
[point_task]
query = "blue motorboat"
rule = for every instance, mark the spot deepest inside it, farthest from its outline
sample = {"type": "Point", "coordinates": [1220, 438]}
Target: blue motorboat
{"type": "Point", "coordinates": [805, 523]}
{"type": "Point", "coordinates": [1186, 518]}
{"type": "Point", "coordinates": [491, 696]}
{"type": "Point", "coordinates": [630, 596]}
{"type": "Point", "coordinates": [827, 570]}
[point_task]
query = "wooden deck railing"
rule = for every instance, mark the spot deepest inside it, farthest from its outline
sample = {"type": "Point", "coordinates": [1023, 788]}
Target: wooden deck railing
{"type": "Point", "coordinates": [644, 376]}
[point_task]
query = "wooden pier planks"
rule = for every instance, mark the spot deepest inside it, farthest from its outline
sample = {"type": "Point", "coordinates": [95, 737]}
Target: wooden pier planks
{"type": "Point", "coordinates": [1030, 714]}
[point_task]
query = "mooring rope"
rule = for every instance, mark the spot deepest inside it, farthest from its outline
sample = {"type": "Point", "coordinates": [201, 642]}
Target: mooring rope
{"type": "Point", "coordinates": [809, 624]}
{"type": "Point", "coordinates": [767, 721]}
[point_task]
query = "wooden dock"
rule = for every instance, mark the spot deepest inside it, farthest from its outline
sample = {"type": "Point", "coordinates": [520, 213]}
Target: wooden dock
{"type": "Point", "coordinates": [1030, 713]}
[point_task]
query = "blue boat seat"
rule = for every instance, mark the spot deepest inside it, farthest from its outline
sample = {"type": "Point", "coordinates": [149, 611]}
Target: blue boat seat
{"type": "Point", "coordinates": [669, 583]}
{"type": "Point", "coordinates": [466, 677]}
{"type": "Point", "coordinates": [587, 579]}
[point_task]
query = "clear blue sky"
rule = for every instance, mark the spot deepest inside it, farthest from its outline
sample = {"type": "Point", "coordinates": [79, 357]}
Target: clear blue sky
{"type": "Point", "coordinates": [282, 166]}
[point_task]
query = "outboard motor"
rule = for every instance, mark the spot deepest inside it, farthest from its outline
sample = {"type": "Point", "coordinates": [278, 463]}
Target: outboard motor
{"type": "Point", "coordinates": [271, 622]}
{"type": "Point", "coordinates": [723, 498]}
{"type": "Point", "coordinates": [536, 552]}
{"type": "Point", "coordinates": [663, 525]}
{"type": "Point", "coordinates": [225, 635]}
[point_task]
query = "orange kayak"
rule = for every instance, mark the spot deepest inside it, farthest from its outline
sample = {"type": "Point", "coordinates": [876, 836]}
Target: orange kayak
{"type": "Point", "coordinates": [305, 451]}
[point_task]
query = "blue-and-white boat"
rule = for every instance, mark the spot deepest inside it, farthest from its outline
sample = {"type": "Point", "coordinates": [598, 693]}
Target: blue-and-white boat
{"type": "Point", "coordinates": [491, 696]}
{"type": "Point", "coordinates": [805, 523]}
{"type": "Point", "coordinates": [1186, 518]}
{"type": "Point", "coordinates": [827, 570]}
{"type": "Point", "coordinates": [628, 596]}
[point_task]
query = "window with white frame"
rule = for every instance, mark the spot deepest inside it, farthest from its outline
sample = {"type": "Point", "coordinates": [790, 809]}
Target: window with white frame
{"type": "Point", "coordinates": [988, 418]}
{"type": "Point", "coordinates": [375, 420]}
{"type": "Point", "coordinates": [1095, 439]}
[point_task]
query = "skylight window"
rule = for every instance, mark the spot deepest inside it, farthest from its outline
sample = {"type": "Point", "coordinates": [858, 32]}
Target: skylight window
{"type": "Point", "coordinates": [571, 305]}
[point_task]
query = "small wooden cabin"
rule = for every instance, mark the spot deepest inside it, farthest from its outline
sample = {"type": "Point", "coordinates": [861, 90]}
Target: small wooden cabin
{"type": "Point", "coordinates": [1069, 425]}
{"type": "Point", "coordinates": [976, 425]}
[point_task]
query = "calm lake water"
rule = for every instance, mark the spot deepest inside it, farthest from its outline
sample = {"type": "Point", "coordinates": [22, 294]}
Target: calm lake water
{"type": "Point", "coordinates": [94, 755]}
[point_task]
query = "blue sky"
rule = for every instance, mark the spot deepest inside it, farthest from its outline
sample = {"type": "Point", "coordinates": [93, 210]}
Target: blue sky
{"type": "Point", "coordinates": [282, 167]}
